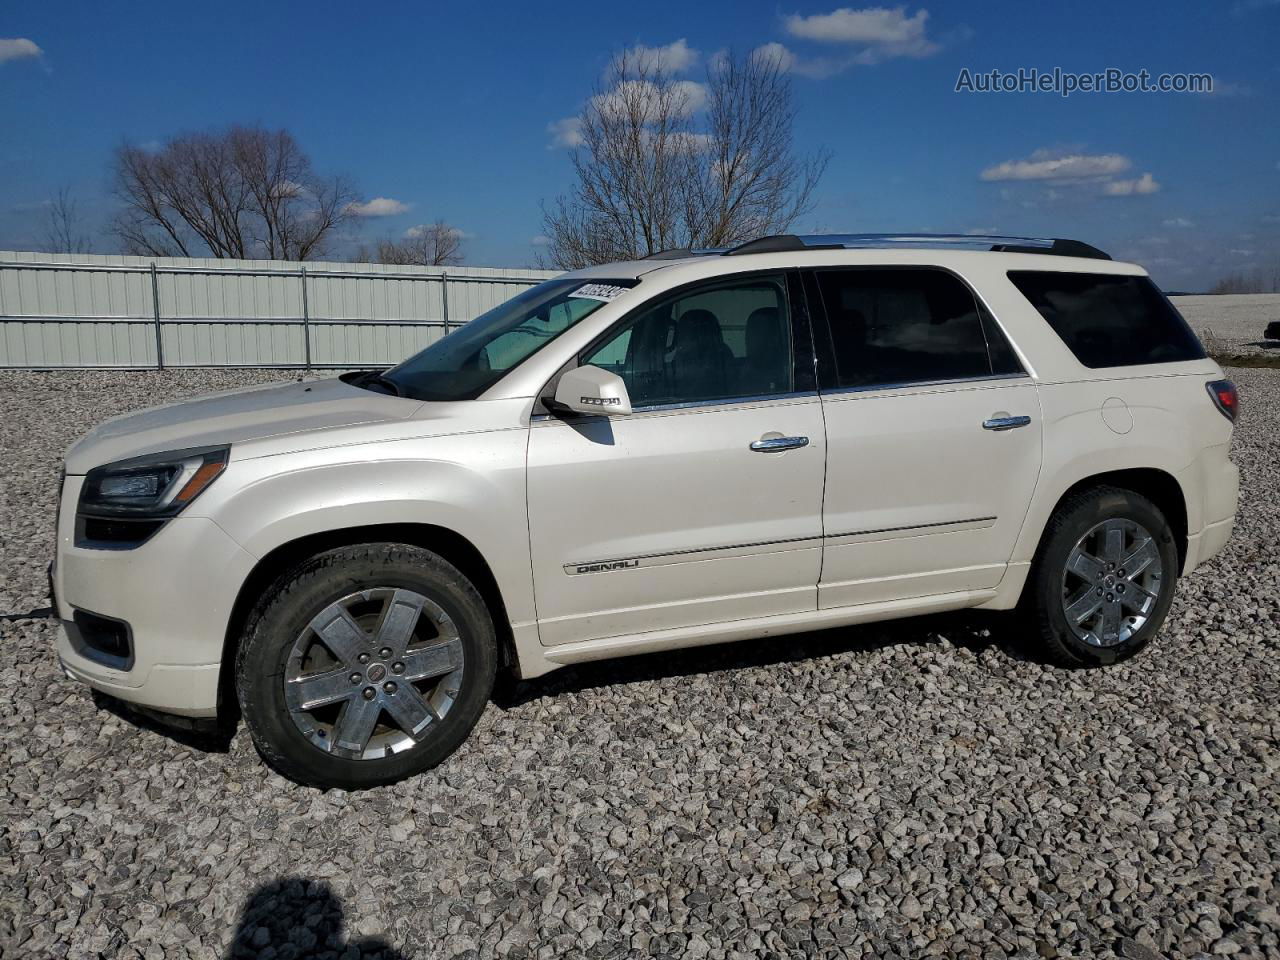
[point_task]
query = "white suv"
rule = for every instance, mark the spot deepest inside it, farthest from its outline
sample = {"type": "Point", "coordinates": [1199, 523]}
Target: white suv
{"type": "Point", "coordinates": [698, 447]}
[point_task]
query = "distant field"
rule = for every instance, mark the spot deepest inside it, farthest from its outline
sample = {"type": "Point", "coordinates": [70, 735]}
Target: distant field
{"type": "Point", "coordinates": [1233, 324]}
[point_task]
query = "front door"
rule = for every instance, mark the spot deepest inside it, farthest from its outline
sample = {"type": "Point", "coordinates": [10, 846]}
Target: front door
{"type": "Point", "coordinates": [705, 504]}
{"type": "Point", "coordinates": [933, 433]}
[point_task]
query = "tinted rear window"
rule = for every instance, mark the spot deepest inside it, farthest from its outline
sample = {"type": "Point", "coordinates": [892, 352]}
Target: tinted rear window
{"type": "Point", "coordinates": [1108, 320]}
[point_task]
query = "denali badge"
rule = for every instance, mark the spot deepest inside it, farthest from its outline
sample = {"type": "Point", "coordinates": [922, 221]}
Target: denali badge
{"type": "Point", "coordinates": [602, 567]}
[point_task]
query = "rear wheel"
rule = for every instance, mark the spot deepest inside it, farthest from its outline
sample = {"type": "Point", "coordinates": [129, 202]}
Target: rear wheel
{"type": "Point", "coordinates": [366, 665]}
{"type": "Point", "coordinates": [1104, 578]}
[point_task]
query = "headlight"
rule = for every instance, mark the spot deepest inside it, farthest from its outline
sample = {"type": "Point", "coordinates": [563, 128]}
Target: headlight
{"type": "Point", "coordinates": [155, 487]}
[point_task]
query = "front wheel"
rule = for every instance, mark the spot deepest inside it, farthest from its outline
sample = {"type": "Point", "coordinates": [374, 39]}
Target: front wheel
{"type": "Point", "coordinates": [1104, 578]}
{"type": "Point", "coordinates": [366, 665]}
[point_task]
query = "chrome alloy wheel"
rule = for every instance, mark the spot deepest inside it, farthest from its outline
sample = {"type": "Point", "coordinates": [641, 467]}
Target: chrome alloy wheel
{"type": "Point", "coordinates": [373, 673]}
{"type": "Point", "coordinates": [1111, 583]}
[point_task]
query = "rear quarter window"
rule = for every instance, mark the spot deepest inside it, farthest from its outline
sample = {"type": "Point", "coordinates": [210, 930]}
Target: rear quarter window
{"type": "Point", "coordinates": [1108, 320]}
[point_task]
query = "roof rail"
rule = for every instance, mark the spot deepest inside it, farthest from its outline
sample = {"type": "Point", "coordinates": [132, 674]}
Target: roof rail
{"type": "Point", "coordinates": [790, 242]}
{"type": "Point", "coordinates": [684, 253]}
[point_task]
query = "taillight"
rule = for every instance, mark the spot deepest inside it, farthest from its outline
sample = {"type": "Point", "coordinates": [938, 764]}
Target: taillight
{"type": "Point", "coordinates": [1224, 397]}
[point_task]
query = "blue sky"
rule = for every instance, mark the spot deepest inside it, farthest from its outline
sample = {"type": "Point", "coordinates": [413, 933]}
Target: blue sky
{"type": "Point", "coordinates": [446, 109]}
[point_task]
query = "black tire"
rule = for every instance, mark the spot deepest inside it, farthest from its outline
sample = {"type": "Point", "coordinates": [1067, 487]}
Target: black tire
{"type": "Point", "coordinates": [1043, 598]}
{"type": "Point", "coordinates": [285, 612]}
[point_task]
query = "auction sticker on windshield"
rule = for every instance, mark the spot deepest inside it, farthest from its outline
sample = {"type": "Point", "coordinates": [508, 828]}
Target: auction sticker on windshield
{"type": "Point", "coordinates": [599, 291]}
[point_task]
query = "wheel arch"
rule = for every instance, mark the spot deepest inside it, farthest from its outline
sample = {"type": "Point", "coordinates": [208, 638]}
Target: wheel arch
{"type": "Point", "coordinates": [283, 559]}
{"type": "Point", "coordinates": [1159, 486]}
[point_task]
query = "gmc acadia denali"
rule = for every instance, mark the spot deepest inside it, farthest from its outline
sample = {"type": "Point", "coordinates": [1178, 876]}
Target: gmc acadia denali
{"type": "Point", "coordinates": [703, 446]}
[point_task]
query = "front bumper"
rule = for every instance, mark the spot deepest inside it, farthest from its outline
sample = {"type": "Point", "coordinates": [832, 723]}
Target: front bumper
{"type": "Point", "coordinates": [168, 688]}
{"type": "Point", "coordinates": [176, 593]}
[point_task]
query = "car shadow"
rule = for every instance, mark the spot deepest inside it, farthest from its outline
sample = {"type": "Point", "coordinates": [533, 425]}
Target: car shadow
{"type": "Point", "coordinates": [207, 736]}
{"type": "Point", "coordinates": [973, 630]}
{"type": "Point", "coordinates": [294, 916]}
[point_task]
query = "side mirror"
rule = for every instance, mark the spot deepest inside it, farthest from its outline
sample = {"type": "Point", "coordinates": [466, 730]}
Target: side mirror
{"type": "Point", "coordinates": [593, 391]}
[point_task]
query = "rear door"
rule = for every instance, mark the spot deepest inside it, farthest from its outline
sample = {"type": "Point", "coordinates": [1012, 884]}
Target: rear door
{"type": "Point", "coordinates": [933, 434]}
{"type": "Point", "coordinates": [705, 504]}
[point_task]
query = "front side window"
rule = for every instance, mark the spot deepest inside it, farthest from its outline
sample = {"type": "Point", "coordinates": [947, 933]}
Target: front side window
{"type": "Point", "coordinates": [902, 326]}
{"type": "Point", "coordinates": [473, 358]}
{"type": "Point", "coordinates": [714, 343]}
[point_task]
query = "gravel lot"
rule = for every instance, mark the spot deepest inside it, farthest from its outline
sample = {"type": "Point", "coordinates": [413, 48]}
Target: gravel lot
{"type": "Point", "coordinates": [913, 789]}
{"type": "Point", "coordinates": [1233, 323]}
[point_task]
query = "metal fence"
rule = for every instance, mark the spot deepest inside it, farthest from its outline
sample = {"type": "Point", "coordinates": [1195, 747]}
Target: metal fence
{"type": "Point", "coordinates": [135, 312]}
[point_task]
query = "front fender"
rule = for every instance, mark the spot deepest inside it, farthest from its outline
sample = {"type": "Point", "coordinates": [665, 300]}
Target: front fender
{"type": "Point", "coordinates": [471, 484]}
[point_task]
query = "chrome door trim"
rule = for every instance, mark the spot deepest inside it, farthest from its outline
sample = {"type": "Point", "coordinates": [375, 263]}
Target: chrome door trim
{"type": "Point", "coordinates": [990, 378]}
{"type": "Point", "coordinates": [913, 530]}
{"type": "Point", "coordinates": [678, 556]}
{"type": "Point", "coordinates": [699, 553]}
{"type": "Point", "coordinates": [695, 405]}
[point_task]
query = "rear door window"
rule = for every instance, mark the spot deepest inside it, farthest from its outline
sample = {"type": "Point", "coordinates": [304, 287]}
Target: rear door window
{"type": "Point", "coordinates": [1108, 320]}
{"type": "Point", "coordinates": [893, 327]}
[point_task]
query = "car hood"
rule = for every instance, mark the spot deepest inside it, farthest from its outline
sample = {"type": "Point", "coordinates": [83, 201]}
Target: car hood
{"type": "Point", "coordinates": [236, 416]}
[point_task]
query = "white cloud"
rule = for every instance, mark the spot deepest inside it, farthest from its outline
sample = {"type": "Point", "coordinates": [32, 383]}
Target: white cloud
{"type": "Point", "coordinates": [1178, 222]}
{"type": "Point", "coordinates": [541, 240]}
{"type": "Point", "coordinates": [676, 57]}
{"type": "Point", "coordinates": [565, 133]}
{"type": "Point", "coordinates": [695, 95]}
{"type": "Point", "coordinates": [878, 33]}
{"type": "Point", "coordinates": [18, 48]}
{"type": "Point", "coordinates": [1047, 165]}
{"type": "Point", "coordinates": [774, 53]}
{"type": "Point", "coordinates": [289, 189]}
{"type": "Point", "coordinates": [425, 228]}
{"type": "Point", "coordinates": [647, 97]}
{"type": "Point", "coordinates": [378, 207]}
{"type": "Point", "coordinates": [1127, 188]}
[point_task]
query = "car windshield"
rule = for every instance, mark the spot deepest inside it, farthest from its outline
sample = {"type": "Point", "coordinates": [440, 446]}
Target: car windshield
{"type": "Point", "coordinates": [474, 357]}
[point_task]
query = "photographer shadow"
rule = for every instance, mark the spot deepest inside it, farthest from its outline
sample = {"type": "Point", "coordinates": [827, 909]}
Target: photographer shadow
{"type": "Point", "coordinates": [299, 918]}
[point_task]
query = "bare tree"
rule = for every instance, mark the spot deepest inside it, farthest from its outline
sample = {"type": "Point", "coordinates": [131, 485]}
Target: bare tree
{"type": "Point", "coordinates": [663, 162]}
{"type": "Point", "coordinates": [246, 193]}
{"type": "Point", "coordinates": [63, 229]}
{"type": "Point", "coordinates": [1257, 280]}
{"type": "Point", "coordinates": [430, 245]}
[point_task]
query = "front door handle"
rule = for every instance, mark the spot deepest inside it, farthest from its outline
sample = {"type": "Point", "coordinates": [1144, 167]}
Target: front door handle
{"type": "Point", "coordinates": [1005, 423]}
{"type": "Point", "coordinates": [774, 444]}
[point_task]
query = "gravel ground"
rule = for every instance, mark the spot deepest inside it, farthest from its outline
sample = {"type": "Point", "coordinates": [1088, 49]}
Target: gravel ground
{"type": "Point", "coordinates": [1232, 323]}
{"type": "Point", "coordinates": [913, 789]}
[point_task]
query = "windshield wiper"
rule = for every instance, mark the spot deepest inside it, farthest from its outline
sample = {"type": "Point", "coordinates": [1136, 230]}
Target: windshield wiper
{"type": "Point", "coordinates": [366, 378]}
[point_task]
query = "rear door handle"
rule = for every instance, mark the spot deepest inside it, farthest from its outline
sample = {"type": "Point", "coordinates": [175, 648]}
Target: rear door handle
{"type": "Point", "coordinates": [774, 444]}
{"type": "Point", "coordinates": [1005, 423]}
